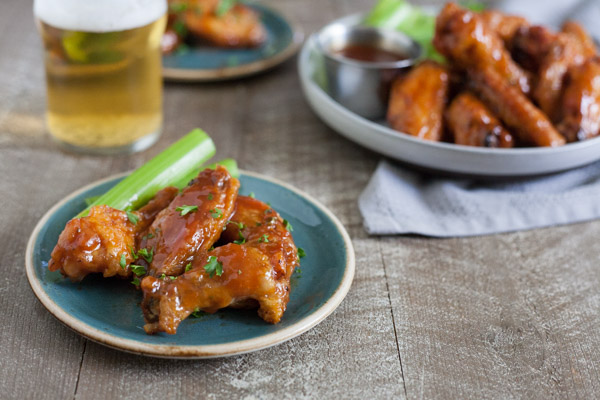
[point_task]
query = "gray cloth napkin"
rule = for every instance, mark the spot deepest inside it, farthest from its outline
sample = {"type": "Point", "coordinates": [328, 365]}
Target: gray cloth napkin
{"type": "Point", "coordinates": [399, 201]}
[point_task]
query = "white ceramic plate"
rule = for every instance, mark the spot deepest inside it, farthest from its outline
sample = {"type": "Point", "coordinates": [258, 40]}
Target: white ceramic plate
{"type": "Point", "coordinates": [447, 157]}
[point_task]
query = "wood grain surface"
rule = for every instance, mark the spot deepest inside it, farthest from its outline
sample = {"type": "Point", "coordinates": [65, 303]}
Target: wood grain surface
{"type": "Point", "coordinates": [503, 316]}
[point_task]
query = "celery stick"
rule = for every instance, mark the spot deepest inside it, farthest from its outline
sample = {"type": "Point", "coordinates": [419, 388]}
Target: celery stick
{"type": "Point", "coordinates": [166, 169]}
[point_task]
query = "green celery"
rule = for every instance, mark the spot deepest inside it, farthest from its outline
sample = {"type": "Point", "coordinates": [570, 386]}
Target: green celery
{"type": "Point", "coordinates": [172, 167]}
{"type": "Point", "coordinates": [412, 20]}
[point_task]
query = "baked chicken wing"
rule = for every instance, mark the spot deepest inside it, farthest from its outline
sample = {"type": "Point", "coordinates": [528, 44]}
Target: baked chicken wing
{"type": "Point", "coordinates": [580, 104]}
{"type": "Point", "coordinates": [103, 241]}
{"type": "Point", "coordinates": [240, 26]}
{"type": "Point", "coordinates": [515, 110]}
{"type": "Point", "coordinates": [417, 101]}
{"type": "Point", "coordinates": [466, 40]}
{"type": "Point", "coordinates": [253, 271]}
{"type": "Point", "coordinates": [190, 224]}
{"type": "Point", "coordinates": [585, 41]}
{"type": "Point", "coordinates": [473, 124]}
{"type": "Point", "coordinates": [504, 25]}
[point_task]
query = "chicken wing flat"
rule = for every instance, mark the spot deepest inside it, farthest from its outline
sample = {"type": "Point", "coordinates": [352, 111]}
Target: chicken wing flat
{"type": "Point", "coordinates": [256, 270]}
{"type": "Point", "coordinates": [515, 110]}
{"type": "Point", "coordinates": [588, 47]}
{"type": "Point", "coordinates": [504, 25]}
{"type": "Point", "coordinates": [417, 101]}
{"type": "Point", "coordinates": [103, 241]}
{"type": "Point", "coordinates": [580, 104]}
{"type": "Point", "coordinates": [565, 52]}
{"type": "Point", "coordinates": [466, 40]}
{"type": "Point", "coordinates": [240, 26]}
{"type": "Point", "coordinates": [190, 224]}
{"type": "Point", "coordinates": [473, 124]}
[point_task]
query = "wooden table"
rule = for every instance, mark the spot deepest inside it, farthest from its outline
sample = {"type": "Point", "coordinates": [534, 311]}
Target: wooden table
{"type": "Point", "coordinates": [503, 316]}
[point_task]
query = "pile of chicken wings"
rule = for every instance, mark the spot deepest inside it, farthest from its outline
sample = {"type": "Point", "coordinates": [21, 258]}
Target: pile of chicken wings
{"type": "Point", "coordinates": [201, 249]}
{"type": "Point", "coordinates": [506, 83]}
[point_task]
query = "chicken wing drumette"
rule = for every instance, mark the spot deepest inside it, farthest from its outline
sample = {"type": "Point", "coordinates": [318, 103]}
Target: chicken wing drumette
{"type": "Point", "coordinates": [466, 40]}
{"type": "Point", "coordinates": [473, 124]}
{"type": "Point", "coordinates": [103, 241]}
{"type": "Point", "coordinates": [417, 101]}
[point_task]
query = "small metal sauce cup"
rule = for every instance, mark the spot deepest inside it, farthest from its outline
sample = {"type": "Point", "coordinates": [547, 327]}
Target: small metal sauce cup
{"type": "Point", "coordinates": [363, 86]}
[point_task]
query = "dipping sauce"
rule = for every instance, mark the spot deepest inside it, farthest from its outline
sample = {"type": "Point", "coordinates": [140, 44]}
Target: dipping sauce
{"type": "Point", "coordinates": [368, 53]}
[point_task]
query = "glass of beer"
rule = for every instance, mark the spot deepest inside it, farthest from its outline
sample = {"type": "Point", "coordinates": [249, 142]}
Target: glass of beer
{"type": "Point", "coordinates": [103, 72]}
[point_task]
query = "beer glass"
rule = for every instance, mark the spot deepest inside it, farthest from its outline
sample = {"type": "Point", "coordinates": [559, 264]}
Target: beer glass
{"type": "Point", "coordinates": [103, 72]}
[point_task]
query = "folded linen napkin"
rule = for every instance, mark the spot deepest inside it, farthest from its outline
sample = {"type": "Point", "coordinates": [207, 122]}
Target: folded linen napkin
{"type": "Point", "coordinates": [399, 201]}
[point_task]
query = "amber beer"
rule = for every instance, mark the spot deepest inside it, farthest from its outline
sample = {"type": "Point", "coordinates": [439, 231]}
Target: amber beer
{"type": "Point", "coordinates": [103, 72]}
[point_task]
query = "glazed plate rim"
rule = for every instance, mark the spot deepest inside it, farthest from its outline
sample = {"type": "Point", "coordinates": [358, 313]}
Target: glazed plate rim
{"type": "Point", "coordinates": [194, 351]}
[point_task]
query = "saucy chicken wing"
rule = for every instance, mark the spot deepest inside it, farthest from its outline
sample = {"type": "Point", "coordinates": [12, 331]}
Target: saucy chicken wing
{"type": "Point", "coordinates": [580, 104]}
{"type": "Point", "coordinates": [503, 24]}
{"type": "Point", "coordinates": [530, 44]}
{"type": "Point", "coordinates": [417, 101]}
{"type": "Point", "coordinates": [473, 124]}
{"type": "Point", "coordinates": [517, 112]}
{"type": "Point", "coordinates": [465, 39]}
{"type": "Point", "coordinates": [191, 223]}
{"type": "Point", "coordinates": [240, 26]}
{"type": "Point", "coordinates": [254, 270]}
{"type": "Point", "coordinates": [103, 241]}
{"type": "Point", "coordinates": [588, 47]}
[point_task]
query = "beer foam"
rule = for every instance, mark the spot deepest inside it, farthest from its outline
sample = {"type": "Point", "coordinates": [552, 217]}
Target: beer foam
{"type": "Point", "coordinates": [99, 15]}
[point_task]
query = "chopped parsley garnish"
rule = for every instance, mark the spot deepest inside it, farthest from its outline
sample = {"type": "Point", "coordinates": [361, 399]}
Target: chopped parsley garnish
{"type": "Point", "coordinates": [301, 252]}
{"type": "Point", "coordinates": [148, 236]}
{"type": "Point", "coordinates": [138, 269]}
{"type": "Point", "coordinates": [216, 213]}
{"type": "Point", "coordinates": [264, 239]}
{"type": "Point", "coordinates": [258, 224]}
{"type": "Point", "coordinates": [163, 276]}
{"type": "Point", "coordinates": [251, 194]}
{"type": "Point", "coordinates": [287, 225]}
{"type": "Point", "coordinates": [240, 225]}
{"type": "Point", "coordinates": [133, 218]}
{"type": "Point", "coordinates": [184, 210]}
{"type": "Point", "coordinates": [123, 261]}
{"type": "Point", "coordinates": [213, 267]}
{"type": "Point", "coordinates": [268, 211]}
{"type": "Point", "coordinates": [146, 255]}
{"type": "Point", "coordinates": [241, 239]}
{"type": "Point", "coordinates": [132, 251]}
{"type": "Point", "coordinates": [239, 271]}
{"type": "Point", "coordinates": [188, 267]}
{"type": "Point", "coordinates": [180, 28]}
{"type": "Point", "coordinates": [224, 6]}
{"type": "Point", "coordinates": [136, 281]}
{"type": "Point", "coordinates": [197, 314]}
{"type": "Point", "coordinates": [172, 278]}
{"type": "Point", "coordinates": [210, 196]}
{"type": "Point", "coordinates": [177, 8]}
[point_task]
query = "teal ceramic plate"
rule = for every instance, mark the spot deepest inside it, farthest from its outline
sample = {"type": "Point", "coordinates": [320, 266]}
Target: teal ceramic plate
{"type": "Point", "coordinates": [214, 64]}
{"type": "Point", "coordinates": [107, 310]}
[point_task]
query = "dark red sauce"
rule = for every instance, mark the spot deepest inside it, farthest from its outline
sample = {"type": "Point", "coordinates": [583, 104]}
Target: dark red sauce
{"type": "Point", "coordinates": [362, 52]}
